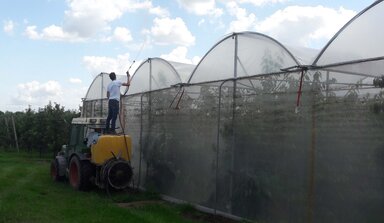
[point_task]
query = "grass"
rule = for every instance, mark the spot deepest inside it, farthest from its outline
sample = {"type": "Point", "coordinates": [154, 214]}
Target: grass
{"type": "Point", "coordinates": [27, 194]}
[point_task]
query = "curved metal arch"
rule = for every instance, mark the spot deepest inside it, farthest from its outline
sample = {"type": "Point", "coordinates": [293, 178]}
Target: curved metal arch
{"type": "Point", "coordinates": [242, 33]}
{"type": "Point", "coordinates": [342, 29]}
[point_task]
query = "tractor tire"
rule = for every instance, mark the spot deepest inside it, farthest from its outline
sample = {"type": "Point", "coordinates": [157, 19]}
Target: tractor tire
{"type": "Point", "coordinates": [55, 171]}
{"type": "Point", "coordinates": [81, 174]}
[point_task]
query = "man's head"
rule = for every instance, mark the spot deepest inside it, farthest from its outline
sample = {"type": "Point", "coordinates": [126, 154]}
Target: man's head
{"type": "Point", "coordinates": [112, 76]}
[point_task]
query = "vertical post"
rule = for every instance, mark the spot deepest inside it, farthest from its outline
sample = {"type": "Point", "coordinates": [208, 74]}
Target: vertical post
{"type": "Point", "coordinates": [299, 92]}
{"type": "Point", "coordinates": [312, 159]}
{"type": "Point", "coordinates": [140, 138]}
{"type": "Point", "coordinates": [150, 74]}
{"type": "Point", "coordinates": [149, 125]}
{"type": "Point", "coordinates": [232, 170]}
{"type": "Point", "coordinates": [327, 87]}
{"type": "Point", "coordinates": [101, 95]}
{"type": "Point", "coordinates": [150, 93]}
{"type": "Point", "coordinates": [14, 131]}
{"type": "Point", "coordinates": [218, 146]}
{"type": "Point", "coordinates": [8, 134]}
{"type": "Point", "coordinates": [235, 56]}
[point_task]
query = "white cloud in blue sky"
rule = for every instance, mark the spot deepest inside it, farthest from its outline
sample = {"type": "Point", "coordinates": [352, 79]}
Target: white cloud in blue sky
{"type": "Point", "coordinates": [167, 31]}
{"type": "Point", "coordinates": [50, 50]}
{"type": "Point", "coordinates": [75, 80]}
{"type": "Point", "coordinates": [303, 25]}
{"type": "Point", "coordinates": [201, 7]}
{"type": "Point", "coordinates": [8, 26]}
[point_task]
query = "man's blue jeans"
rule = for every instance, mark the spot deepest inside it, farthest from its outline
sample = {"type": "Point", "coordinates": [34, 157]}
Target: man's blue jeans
{"type": "Point", "coordinates": [113, 111]}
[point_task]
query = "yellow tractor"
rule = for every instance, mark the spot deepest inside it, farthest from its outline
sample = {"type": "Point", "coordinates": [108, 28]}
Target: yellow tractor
{"type": "Point", "coordinates": [92, 158]}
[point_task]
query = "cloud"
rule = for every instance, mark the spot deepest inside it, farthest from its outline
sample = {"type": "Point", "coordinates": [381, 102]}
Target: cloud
{"type": "Point", "coordinates": [159, 11]}
{"type": "Point", "coordinates": [304, 26]}
{"type": "Point", "coordinates": [38, 95]}
{"type": "Point", "coordinates": [261, 2]}
{"type": "Point", "coordinates": [8, 27]}
{"type": "Point", "coordinates": [75, 80]}
{"type": "Point", "coordinates": [31, 32]}
{"type": "Point", "coordinates": [96, 64]}
{"type": "Point", "coordinates": [122, 34]}
{"type": "Point", "coordinates": [201, 7]}
{"type": "Point", "coordinates": [243, 22]}
{"type": "Point", "coordinates": [166, 31]}
{"type": "Point", "coordinates": [179, 54]}
{"type": "Point", "coordinates": [73, 96]}
{"type": "Point", "coordinates": [86, 19]}
{"type": "Point", "coordinates": [201, 21]}
{"type": "Point", "coordinates": [35, 92]}
{"type": "Point", "coordinates": [52, 33]}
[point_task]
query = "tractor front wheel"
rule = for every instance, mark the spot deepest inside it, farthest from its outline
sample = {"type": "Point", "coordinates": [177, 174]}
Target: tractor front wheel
{"type": "Point", "coordinates": [55, 172]}
{"type": "Point", "coordinates": [81, 174]}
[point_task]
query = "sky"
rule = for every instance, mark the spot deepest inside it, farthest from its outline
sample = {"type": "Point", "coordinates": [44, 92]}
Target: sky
{"type": "Point", "coordinates": [50, 50]}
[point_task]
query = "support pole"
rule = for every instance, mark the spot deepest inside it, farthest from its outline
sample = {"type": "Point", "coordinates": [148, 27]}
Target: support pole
{"type": "Point", "coordinates": [299, 91]}
{"type": "Point", "coordinates": [218, 146]}
{"type": "Point", "coordinates": [8, 134]}
{"type": "Point", "coordinates": [14, 131]}
{"type": "Point", "coordinates": [312, 166]}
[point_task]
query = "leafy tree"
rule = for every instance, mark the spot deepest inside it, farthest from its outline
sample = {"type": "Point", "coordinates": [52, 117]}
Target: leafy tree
{"type": "Point", "coordinates": [43, 131]}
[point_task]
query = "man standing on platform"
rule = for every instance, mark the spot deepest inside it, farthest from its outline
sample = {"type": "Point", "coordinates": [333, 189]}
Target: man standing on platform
{"type": "Point", "coordinates": [113, 95]}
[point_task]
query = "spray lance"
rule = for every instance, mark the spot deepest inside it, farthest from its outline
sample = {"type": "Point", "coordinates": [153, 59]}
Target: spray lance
{"type": "Point", "coordinates": [128, 77]}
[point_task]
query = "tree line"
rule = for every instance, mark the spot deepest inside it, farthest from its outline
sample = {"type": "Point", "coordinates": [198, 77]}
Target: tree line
{"type": "Point", "coordinates": [43, 131]}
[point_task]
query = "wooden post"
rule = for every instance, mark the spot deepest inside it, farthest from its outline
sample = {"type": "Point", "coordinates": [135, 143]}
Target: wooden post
{"type": "Point", "coordinates": [14, 131]}
{"type": "Point", "coordinates": [8, 135]}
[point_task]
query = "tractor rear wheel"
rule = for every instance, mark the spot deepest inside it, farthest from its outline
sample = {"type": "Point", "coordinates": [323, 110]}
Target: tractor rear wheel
{"type": "Point", "coordinates": [81, 174]}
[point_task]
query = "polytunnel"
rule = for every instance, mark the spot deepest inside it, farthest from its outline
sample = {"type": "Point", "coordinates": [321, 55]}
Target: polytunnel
{"type": "Point", "coordinates": [157, 73]}
{"type": "Point", "coordinates": [244, 54]}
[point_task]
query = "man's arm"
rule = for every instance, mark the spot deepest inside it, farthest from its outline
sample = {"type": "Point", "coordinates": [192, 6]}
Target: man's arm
{"type": "Point", "coordinates": [128, 80]}
{"type": "Point", "coordinates": [108, 94]}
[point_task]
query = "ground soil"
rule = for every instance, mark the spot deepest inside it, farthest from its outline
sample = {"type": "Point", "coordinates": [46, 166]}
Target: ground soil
{"type": "Point", "coordinates": [205, 217]}
{"type": "Point", "coordinates": [192, 214]}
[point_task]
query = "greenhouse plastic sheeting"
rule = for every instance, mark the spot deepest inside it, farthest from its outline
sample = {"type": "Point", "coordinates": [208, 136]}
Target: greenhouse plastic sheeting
{"type": "Point", "coordinates": [98, 87]}
{"type": "Point", "coordinates": [360, 39]}
{"type": "Point", "coordinates": [157, 73]}
{"type": "Point", "coordinates": [242, 54]}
